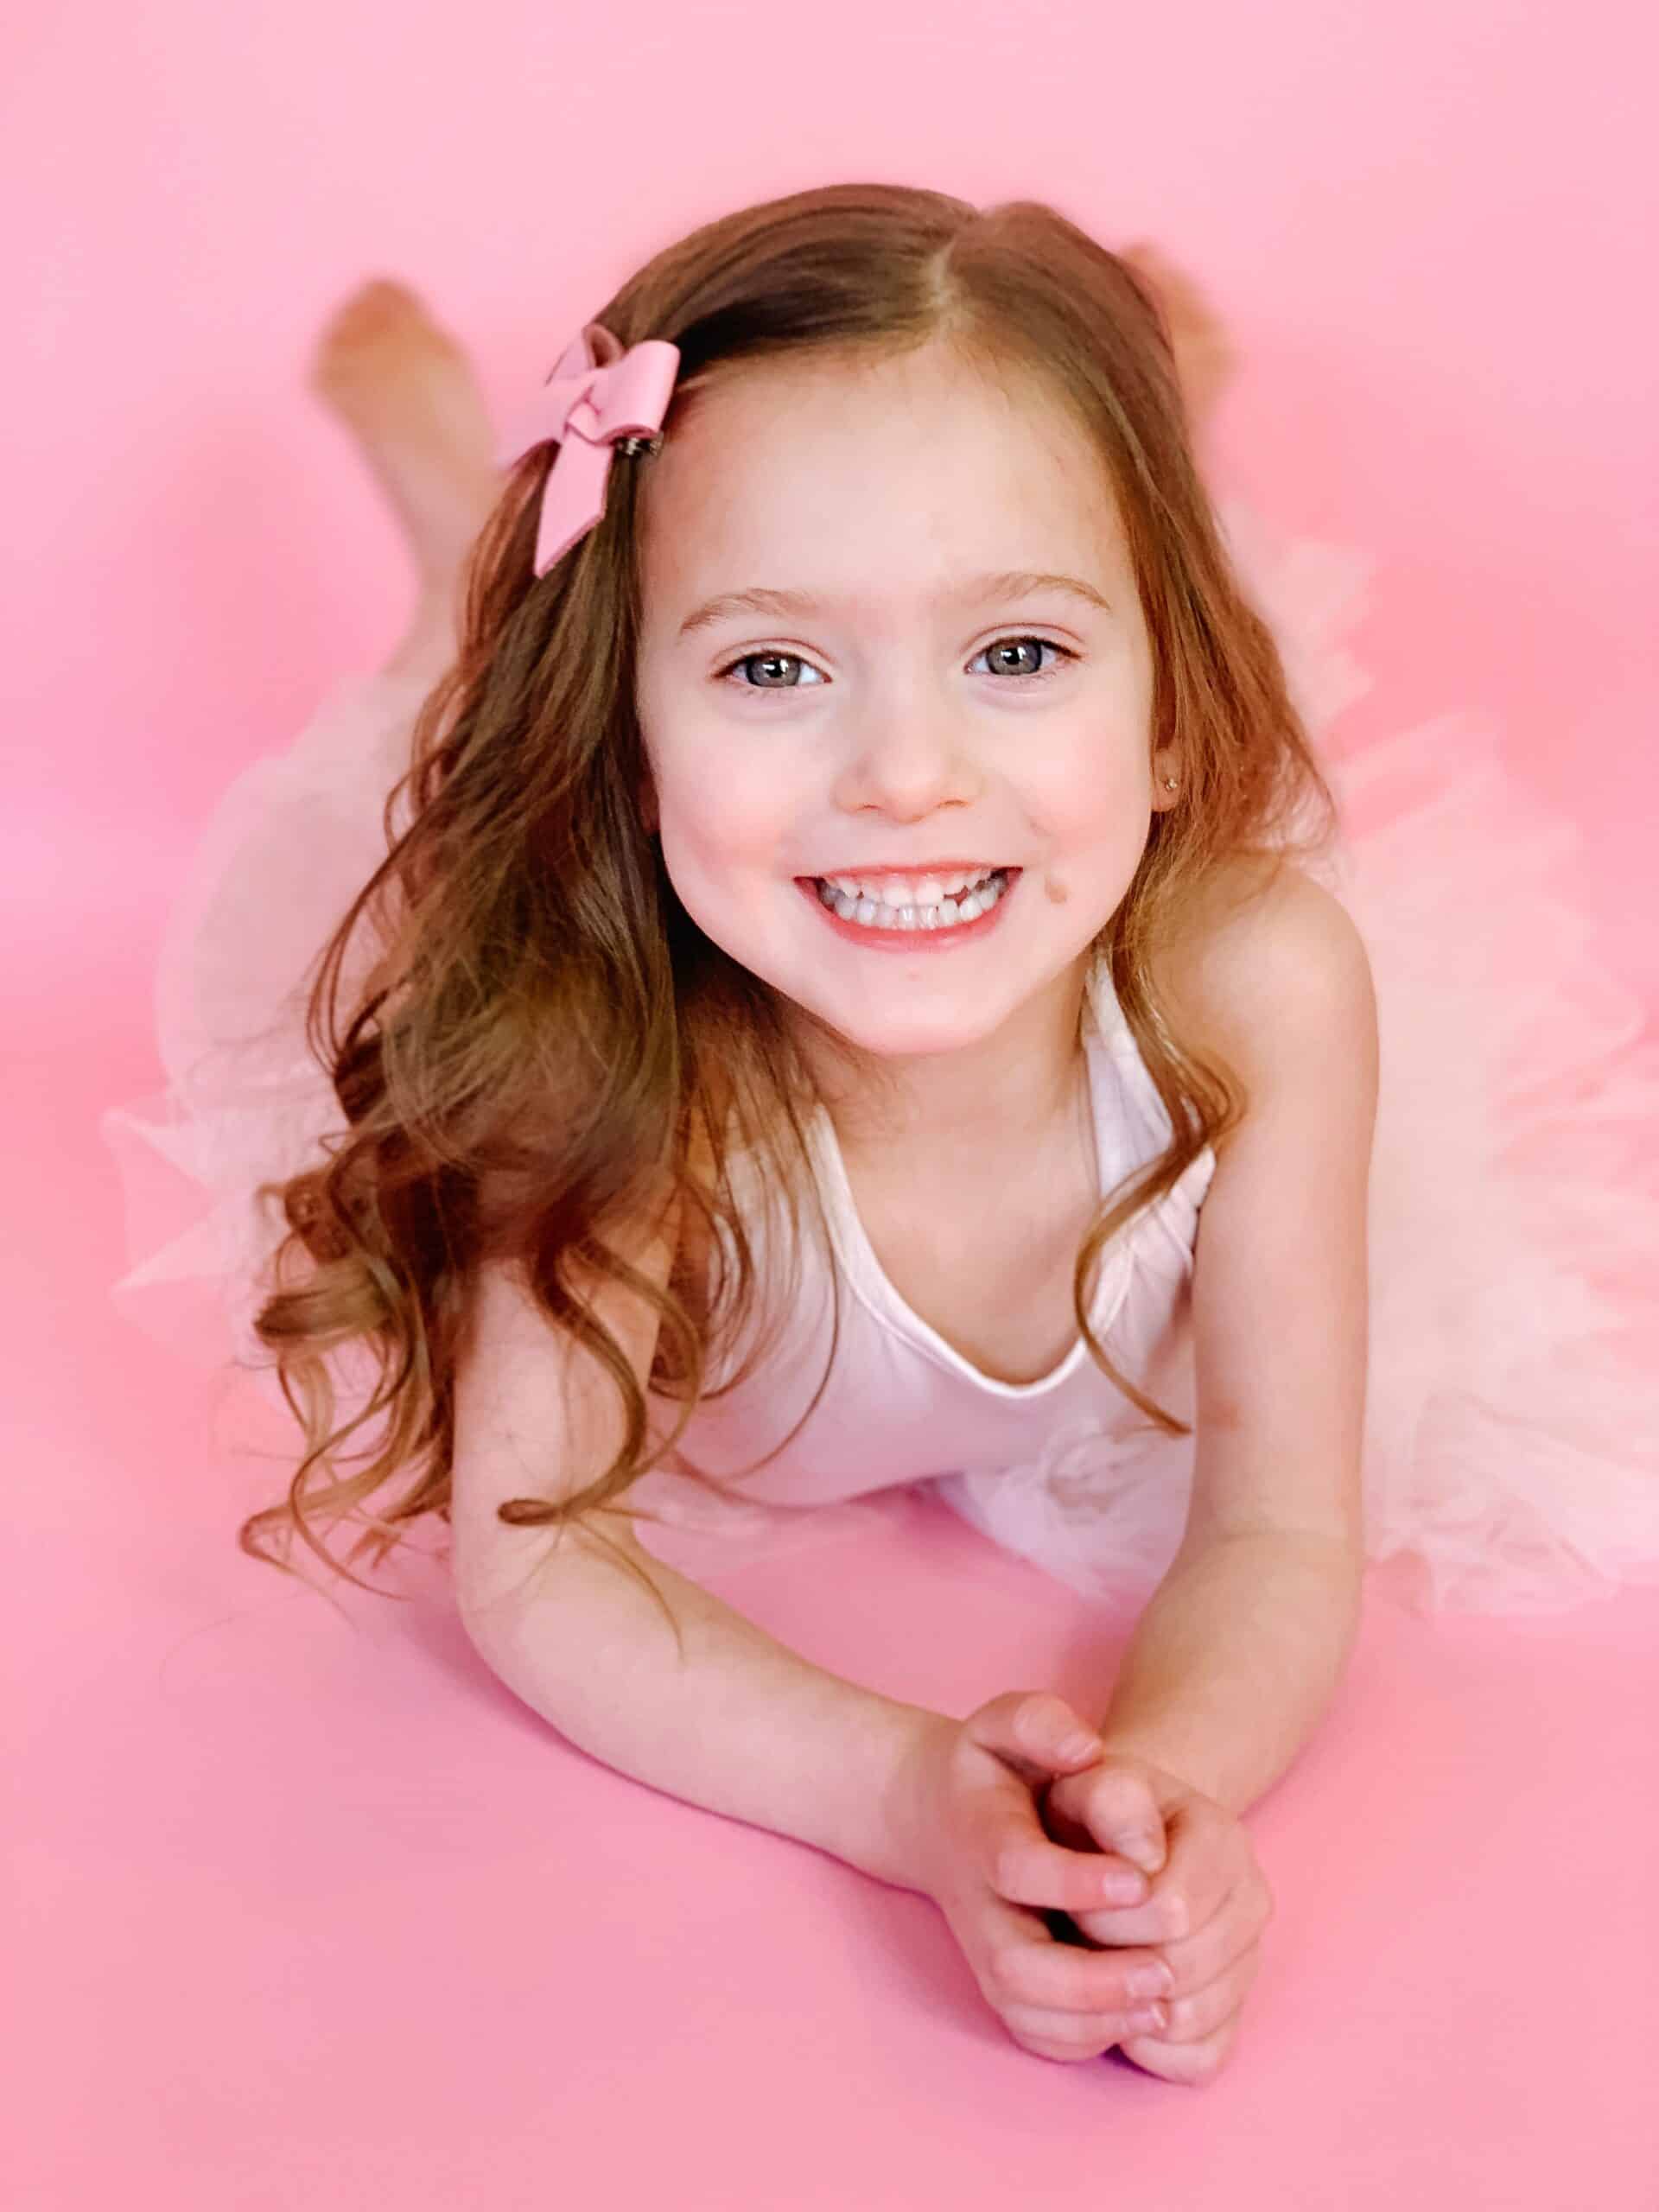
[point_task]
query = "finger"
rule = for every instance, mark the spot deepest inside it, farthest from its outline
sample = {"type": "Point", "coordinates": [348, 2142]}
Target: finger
{"type": "Point", "coordinates": [1232, 1933]}
{"type": "Point", "coordinates": [1035, 1731]}
{"type": "Point", "coordinates": [1080, 2035]}
{"type": "Point", "coordinates": [1190, 2062]}
{"type": "Point", "coordinates": [1195, 1959]}
{"type": "Point", "coordinates": [1024, 1867]}
{"type": "Point", "coordinates": [1026, 1966]}
{"type": "Point", "coordinates": [1208, 1855]}
{"type": "Point", "coordinates": [1022, 1863]}
{"type": "Point", "coordinates": [1211, 1971]}
{"type": "Point", "coordinates": [1200, 2012]}
{"type": "Point", "coordinates": [1123, 1816]}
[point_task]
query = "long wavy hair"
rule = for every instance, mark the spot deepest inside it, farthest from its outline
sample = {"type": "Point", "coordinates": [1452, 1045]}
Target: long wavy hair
{"type": "Point", "coordinates": [546, 1046]}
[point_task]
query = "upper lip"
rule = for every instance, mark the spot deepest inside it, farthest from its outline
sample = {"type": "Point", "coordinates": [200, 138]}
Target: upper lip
{"type": "Point", "coordinates": [915, 869]}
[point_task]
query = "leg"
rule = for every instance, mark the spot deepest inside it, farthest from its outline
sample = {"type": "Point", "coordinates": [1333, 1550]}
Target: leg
{"type": "Point", "coordinates": [406, 391]}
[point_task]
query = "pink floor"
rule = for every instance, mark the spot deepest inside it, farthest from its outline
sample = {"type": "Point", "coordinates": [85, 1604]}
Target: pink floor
{"type": "Point", "coordinates": [310, 1911]}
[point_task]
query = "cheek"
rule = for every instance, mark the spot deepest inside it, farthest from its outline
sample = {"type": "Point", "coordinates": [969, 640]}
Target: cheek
{"type": "Point", "coordinates": [1093, 827]}
{"type": "Point", "coordinates": [722, 820]}
{"type": "Point", "coordinates": [734, 785]}
{"type": "Point", "coordinates": [726, 833]}
{"type": "Point", "coordinates": [1090, 794]}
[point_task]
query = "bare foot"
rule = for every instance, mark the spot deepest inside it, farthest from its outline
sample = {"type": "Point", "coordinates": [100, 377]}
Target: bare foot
{"type": "Point", "coordinates": [1205, 358]}
{"type": "Point", "coordinates": [405, 390]}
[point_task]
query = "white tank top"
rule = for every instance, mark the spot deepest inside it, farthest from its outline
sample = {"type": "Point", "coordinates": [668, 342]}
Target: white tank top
{"type": "Point", "coordinates": [902, 1405]}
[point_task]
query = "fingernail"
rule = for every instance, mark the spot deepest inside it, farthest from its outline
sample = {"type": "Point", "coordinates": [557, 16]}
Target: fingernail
{"type": "Point", "coordinates": [1142, 1849]}
{"type": "Point", "coordinates": [1121, 1886]}
{"type": "Point", "coordinates": [1151, 1981]}
{"type": "Point", "coordinates": [1080, 1747]}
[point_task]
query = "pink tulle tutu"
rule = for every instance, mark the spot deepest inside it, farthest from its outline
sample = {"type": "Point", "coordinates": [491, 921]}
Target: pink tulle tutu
{"type": "Point", "coordinates": [1512, 1431]}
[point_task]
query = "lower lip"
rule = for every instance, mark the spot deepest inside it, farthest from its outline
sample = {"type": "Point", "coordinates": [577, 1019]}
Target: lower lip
{"type": "Point", "coordinates": [911, 940]}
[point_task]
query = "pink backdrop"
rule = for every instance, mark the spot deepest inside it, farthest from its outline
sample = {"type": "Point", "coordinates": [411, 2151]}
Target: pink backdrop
{"type": "Point", "coordinates": [1427, 224]}
{"type": "Point", "coordinates": [300, 1914]}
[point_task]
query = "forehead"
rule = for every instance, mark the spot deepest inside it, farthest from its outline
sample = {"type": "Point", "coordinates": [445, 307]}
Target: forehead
{"type": "Point", "coordinates": [871, 479]}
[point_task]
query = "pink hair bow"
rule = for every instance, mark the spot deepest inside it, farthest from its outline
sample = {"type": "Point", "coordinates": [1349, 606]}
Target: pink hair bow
{"type": "Point", "coordinates": [597, 395]}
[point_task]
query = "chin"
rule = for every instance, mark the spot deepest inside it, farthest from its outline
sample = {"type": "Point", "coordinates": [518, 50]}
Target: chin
{"type": "Point", "coordinates": [905, 1032]}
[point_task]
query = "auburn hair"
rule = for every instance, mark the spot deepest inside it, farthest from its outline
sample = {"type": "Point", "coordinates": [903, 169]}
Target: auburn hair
{"type": "Point", "coordinates": [546, 1045]}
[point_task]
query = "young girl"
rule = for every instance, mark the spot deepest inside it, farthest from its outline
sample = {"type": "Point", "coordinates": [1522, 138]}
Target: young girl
{"type": "Point", "coordinates": [857, 990]}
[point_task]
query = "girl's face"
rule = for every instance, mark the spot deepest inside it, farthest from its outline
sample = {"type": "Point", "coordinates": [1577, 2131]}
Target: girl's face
{"type": "Point", "coordinates": [914, 702]}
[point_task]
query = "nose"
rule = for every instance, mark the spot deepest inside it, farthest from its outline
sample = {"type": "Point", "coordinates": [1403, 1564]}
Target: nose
{"type": "Point", "coordinates": [910, 763]}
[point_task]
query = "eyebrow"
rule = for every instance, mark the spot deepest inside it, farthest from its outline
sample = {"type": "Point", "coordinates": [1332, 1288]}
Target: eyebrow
{"type": "Point", "coordinates": [1007, 583]}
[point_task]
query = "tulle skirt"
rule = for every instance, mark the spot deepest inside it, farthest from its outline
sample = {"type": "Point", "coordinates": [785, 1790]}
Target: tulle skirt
{"type": "Point", "coordinates": [1512, 1430]}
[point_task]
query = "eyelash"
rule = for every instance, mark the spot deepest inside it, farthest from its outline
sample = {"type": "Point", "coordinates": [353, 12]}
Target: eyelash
{"type": "Point", "coordinates": [1018, 638]}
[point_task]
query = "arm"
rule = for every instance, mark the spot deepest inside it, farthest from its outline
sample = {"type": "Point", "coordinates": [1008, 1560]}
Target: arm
{"type": "Point", "coordinates": [1234, 1661]}
{"type": "Point", "coordinates": [1242, 1646]}
{"type": "Point", "coordinates": [743, 1725]}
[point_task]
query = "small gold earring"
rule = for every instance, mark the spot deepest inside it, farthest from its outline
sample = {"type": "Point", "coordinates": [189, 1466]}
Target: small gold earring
{"type": "Point", "coordinates": [1169, 783]}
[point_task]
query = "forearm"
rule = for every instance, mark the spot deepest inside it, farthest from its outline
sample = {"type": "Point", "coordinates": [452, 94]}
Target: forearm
{"type": "Point", "coordinates": [743, 1726]}
{"type": "Point", "coordinates": [1234, 1661]}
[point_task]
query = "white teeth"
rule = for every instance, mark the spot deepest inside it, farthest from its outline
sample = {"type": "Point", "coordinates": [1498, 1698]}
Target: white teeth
{"type": "Point", "coordinates": [911, 915]}
{"type": "Point", "coordinates": [900, 891]}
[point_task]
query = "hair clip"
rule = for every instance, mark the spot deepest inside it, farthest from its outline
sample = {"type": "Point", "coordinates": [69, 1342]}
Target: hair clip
{"type": "Point", "coordinates": [599, 397]}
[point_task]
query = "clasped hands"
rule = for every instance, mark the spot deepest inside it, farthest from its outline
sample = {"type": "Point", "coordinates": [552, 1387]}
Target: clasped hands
{"type": "Point", "coordinates": [1025, 1774]}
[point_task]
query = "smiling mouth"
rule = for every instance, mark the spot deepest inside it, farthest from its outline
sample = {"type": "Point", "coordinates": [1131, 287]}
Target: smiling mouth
{"type": "Point", "coordinates": [947, 914]}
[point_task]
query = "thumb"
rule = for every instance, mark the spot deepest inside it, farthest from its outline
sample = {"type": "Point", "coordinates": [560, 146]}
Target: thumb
{"type": "Point", "coordinates": [1035, 1731]}
{"type": "Point", "coordinates": [1123, 1816]}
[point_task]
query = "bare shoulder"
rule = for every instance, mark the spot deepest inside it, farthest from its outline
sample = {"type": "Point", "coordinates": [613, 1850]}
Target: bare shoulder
{"type": "Point", "coordinates": [1271, 972]}
{"type": "Point", "coordinates": [1261, 934]}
